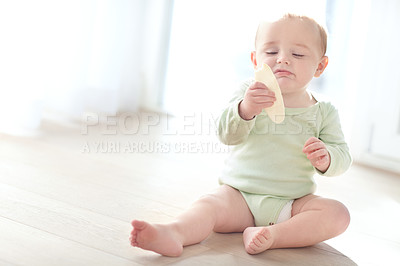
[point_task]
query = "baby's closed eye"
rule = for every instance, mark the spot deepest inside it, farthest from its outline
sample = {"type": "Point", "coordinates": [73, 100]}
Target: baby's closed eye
{"type": "Point", "coordinates": [298, 55]}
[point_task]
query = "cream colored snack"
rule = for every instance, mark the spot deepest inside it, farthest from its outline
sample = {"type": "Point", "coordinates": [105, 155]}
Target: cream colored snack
{"type": "Point", "coordinates": [277, 111]}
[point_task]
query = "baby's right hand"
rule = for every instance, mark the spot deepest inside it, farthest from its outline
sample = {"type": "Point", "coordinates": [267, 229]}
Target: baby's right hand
{"type": "Point", "coordinates": [256, 98]}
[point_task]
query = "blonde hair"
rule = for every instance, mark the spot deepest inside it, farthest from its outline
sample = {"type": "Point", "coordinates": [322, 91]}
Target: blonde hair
{"type": "Point", "coordinates": [322, 32]}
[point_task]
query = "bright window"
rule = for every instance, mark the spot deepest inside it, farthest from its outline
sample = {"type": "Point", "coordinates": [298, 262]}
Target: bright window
{"type": "Point", "coordinates": [210, 48]}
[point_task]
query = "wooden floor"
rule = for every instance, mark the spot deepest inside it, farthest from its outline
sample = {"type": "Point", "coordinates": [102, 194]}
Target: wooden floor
{"type": "Point", "coordinates": [67, 198]}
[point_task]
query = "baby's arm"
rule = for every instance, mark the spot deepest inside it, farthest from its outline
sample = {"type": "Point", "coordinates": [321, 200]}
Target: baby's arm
{"type": "Point", "coordinates": [333, 152]}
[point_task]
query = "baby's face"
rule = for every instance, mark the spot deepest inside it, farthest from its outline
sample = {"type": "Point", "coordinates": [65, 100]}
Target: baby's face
{"type": "Point", "coordinates": [293, 49]}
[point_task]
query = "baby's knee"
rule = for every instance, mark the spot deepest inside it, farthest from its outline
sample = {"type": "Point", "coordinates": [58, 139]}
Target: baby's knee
{"type": "Point", "coordinates": [340, 217]}
{"type": "Point", "coordinates": [209, 201]}
{"type": "Point", "coordinates": [216, 199]}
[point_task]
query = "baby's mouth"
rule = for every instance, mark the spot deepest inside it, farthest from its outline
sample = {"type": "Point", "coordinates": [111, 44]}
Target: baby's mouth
{"type": "Point", "coordinates": [282, 73]}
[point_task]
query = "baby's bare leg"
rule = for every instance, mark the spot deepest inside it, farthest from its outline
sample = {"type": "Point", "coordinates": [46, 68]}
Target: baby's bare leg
{"type": "Point", "coordinates": [314, 219]}
{"type": "Point", "coordinates": [222, 211]}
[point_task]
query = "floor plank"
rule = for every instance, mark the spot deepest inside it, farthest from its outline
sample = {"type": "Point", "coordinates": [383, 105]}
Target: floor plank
{"type": "Point", "coordinates": [25, 245]}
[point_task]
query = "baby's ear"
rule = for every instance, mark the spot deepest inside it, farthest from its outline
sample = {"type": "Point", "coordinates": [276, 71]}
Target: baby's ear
{"type": "Point", "coordinates": [253, 59]}
{"type": "Point", "coordinates": [321, 66]}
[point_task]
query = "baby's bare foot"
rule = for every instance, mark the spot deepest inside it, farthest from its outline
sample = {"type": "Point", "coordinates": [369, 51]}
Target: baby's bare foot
{"type": "Point", "coordinates": [257, 239]}
{"type": "Point", "coordinates": [158, 238]}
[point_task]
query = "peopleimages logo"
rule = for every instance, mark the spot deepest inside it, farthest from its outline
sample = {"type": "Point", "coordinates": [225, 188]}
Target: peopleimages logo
{"type": "Point", "coordinates": [190, 124]}
{"type": "Point", "coordinates": [150, 133]}
{"type": "Point", "coordinates": [148, 123]}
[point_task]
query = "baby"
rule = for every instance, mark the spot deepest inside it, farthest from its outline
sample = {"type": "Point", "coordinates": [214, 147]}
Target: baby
{"type": "Point", "coordinates": [267, 186]}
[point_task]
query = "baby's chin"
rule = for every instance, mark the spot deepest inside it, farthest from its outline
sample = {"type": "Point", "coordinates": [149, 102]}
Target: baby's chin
{"type": "Point", "coordinates": [284, 83]}
{"type": "Point", "coordinates": [288, 88]}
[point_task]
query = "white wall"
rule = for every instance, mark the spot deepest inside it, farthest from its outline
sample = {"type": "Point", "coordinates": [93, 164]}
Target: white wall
{"type": "Point", "coordinates": [76, 56]}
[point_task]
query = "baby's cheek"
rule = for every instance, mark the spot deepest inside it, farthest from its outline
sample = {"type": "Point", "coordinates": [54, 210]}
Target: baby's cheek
{"type": "Point", "coordinates": [265, 60]}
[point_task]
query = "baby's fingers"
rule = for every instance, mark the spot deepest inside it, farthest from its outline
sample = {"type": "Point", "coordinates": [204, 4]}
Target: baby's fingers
{"type": "Point", "coordinates": [260, 88]}
{"type": "Point", "coordinates": [311, 141]}
{"type": "Point", "coordinates": [317, 154]}
{"type": "Point", "coordinates": [322, 161]}
{"type": "Point", "coordinates": [262, 93]}
{"type": "Point", "coordinates": [313, 146]}
{"type": "Point", "coordinates": [257, 85]}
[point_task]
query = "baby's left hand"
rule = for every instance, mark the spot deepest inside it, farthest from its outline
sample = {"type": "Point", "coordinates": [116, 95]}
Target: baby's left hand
{"type": "Point", "coordinates": [317, 153]}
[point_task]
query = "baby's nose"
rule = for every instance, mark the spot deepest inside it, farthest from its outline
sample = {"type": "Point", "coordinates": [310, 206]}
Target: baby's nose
{"type": "Point", "coordinates": [282, 59]}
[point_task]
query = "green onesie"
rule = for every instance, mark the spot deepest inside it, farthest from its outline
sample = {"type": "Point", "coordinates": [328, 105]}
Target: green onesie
{"type": "Point", "coordinates": [267, 163]}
